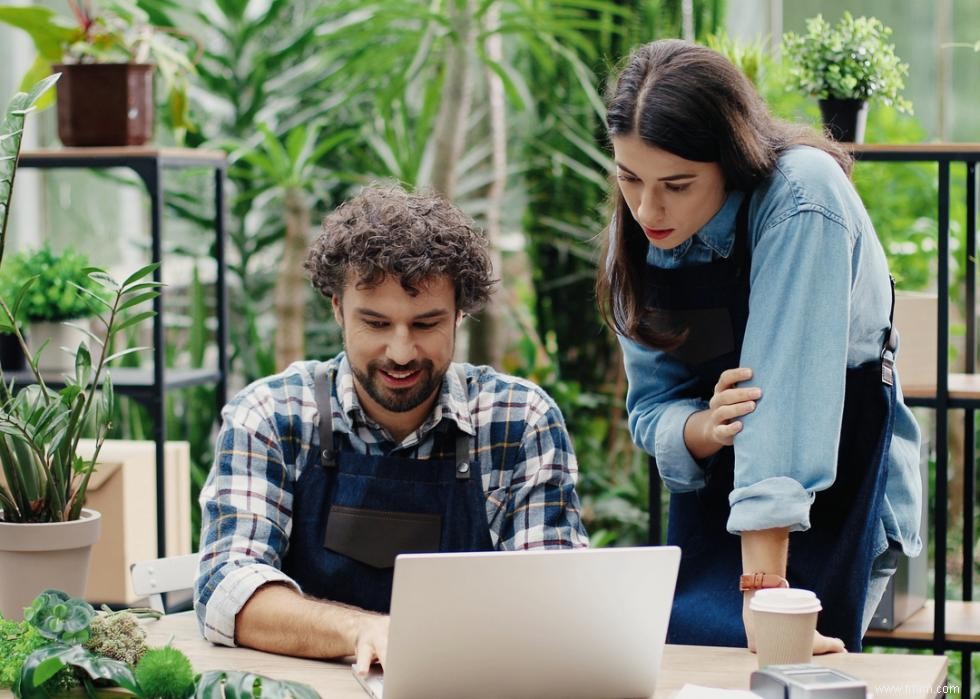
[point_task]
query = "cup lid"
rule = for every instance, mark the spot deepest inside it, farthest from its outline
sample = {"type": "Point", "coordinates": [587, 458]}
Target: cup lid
{"type": "Point", "coordinates": [785, 600]}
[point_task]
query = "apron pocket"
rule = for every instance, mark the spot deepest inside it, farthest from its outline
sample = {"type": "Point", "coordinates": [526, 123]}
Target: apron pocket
{"type": "Point", "coordinates": [375, 537]}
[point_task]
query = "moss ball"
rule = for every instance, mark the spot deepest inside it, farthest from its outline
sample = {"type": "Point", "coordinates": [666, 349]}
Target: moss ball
{"type": "Point", "coordinates": [165, 673]}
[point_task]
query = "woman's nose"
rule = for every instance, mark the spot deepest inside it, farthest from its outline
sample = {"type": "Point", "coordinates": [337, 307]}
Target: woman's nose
{"type": "Point", "coordinates": [651, 208]}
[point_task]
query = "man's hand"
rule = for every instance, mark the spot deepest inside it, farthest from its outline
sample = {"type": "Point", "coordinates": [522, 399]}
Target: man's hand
{"type": "Point", "coordinates": [821, 644]}
{"type": "Point", "coordinates": [371, 642]}
{"type": "Point", "coordinates": [709, 430]}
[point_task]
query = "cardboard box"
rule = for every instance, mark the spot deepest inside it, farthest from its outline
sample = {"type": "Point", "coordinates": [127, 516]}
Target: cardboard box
{"type": "Point", "coordinates": [123, 489]}
{"type": "Point", "coordinates": [916, 316]}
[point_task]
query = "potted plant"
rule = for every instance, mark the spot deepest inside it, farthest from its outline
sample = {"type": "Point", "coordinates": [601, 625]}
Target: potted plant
{"type": "Point", "coordinates": [52, 299]}
{"type": "Point", "coordinates": [45, 534]}
{"type": "Point", "coordinates": [107, 60]}
{"type": "Point", "coordinates": [844, 66]}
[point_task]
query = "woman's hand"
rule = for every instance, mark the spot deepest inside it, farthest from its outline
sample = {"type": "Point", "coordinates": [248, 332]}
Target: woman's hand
{"type": "Point", "coordinates": [707, 431]}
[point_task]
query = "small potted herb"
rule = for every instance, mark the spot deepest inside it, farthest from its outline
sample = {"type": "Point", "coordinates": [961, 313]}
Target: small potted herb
{"type": "Point", "coordinates": [53, 309]}
{"type": "Point", "coordinates": [844, 66]}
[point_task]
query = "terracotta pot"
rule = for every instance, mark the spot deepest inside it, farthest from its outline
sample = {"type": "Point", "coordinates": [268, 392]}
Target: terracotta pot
{"type": "Point", "coordinates": [105, 104]}
{"type": "Point", "coordinates": [36, 557]}
{"type": "Point", "coordinates": [845, 119]}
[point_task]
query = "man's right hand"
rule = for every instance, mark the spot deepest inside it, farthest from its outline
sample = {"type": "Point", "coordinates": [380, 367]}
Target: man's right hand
{"type": "Point", "coordinates": [371, 642]}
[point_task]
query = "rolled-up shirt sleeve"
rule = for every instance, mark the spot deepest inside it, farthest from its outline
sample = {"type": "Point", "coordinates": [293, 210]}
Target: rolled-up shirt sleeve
{"type": "Point", "coordinates": [796, 343]}
{"type": "Point", "coordinates": [658, 411]}
{"type": "Point", "coordinates": [246, 512]}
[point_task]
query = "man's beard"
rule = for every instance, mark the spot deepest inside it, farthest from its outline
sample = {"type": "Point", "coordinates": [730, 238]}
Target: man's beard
{"type": "Point", "coordinates": [400, 400]}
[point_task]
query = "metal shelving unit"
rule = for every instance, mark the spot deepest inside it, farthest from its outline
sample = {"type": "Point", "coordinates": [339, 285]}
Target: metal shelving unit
{"type": "Point", "coordinates": [149, 386]}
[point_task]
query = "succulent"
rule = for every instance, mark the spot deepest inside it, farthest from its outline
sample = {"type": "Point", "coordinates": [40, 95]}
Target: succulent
{"type": "Point", "coordinates": [59, 617]}
{"type": "Point", "coordinates": [165, 673]}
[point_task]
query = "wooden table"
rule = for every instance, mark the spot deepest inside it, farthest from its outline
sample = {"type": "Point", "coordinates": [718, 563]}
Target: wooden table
{"type": "Point", "coordinates": [905, 675]}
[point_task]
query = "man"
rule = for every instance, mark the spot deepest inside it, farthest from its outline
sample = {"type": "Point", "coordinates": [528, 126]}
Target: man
{"type": "Point", "coordinates": [325, 472]}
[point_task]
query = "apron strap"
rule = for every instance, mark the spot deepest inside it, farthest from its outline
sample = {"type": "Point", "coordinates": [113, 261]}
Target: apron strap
{"type": "Point", "coordinates": [891, 343]}
{"type": "Point", "coordinates": [322, 389]}
{"type": "Point", "coordinates": [462, 439]}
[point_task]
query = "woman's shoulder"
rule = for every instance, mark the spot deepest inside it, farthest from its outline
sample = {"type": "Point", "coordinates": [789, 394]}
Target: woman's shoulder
{"type": "Point", "coordinates": [806, 179]}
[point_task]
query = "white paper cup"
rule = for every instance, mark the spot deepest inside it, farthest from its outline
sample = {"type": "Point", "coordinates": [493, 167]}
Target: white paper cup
{"type": "Point", "coordinates": [784, 620]}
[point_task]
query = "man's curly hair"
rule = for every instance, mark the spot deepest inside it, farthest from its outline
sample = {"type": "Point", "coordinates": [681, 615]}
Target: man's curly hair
{"type": "Point", "coordinates": [385, 231]}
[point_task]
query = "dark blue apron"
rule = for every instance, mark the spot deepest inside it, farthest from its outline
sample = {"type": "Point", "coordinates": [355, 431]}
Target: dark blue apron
{"type": "Point", "coordinates": [834, 557]}
{"type": "Point", "coordinates": [352, 513]}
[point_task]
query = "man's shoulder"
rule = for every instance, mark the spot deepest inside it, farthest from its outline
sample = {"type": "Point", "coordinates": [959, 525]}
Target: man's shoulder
{"type": "Point", "coordinates": [289, 384]}
{"type": "Point", "coordinates": [506, 389]}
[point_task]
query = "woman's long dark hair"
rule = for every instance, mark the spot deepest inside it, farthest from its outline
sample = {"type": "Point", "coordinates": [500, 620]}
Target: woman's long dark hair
{"type": "Point", "coordinates": [693, 102]}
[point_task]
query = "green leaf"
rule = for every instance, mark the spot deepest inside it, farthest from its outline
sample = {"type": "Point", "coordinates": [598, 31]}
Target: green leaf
{"type": "Point", "coordinates": [246, 685]}
{"type": "Point", "coordinates": [132, 320]}
{"type": "Point", "coordinates": [44, 663]}
{"type": "Point", "coordinates": [138, 299]}
{"type": "Point", "coordinates": [140, 273]}
{"type": "Point", "coordinates": [50, 33]}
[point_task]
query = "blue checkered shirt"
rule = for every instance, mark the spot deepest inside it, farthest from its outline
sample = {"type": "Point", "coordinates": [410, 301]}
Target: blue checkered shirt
{"type": "Point", "coordinates": [269, 434]}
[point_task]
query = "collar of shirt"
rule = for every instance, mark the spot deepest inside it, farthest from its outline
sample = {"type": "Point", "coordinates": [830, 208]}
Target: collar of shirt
{"type": "Point", "coordinates": [452, 404]}
{"type": "Point", "coordinates": [715, 239]}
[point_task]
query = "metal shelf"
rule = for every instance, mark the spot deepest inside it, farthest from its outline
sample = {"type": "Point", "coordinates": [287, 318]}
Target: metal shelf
{"type": "Point", "coordinates": [149, 386]}
{"type": "Point", "coordinates": [134, 382]}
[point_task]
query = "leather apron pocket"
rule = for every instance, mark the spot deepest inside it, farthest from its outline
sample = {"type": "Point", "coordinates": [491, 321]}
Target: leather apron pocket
{"type": "Point", "coordinates": [375, 537]}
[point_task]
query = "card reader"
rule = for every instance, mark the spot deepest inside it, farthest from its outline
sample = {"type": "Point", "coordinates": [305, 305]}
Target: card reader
{"type": "Point", "coordinates": [807, 681]}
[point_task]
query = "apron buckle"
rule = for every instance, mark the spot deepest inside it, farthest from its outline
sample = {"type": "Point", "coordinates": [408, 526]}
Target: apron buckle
{"type": "Point", "coordinates": [888, 358]}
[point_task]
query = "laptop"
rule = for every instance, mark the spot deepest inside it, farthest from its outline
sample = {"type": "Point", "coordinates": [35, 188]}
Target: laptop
{"type": "Point", "coordinates": [553, 624]}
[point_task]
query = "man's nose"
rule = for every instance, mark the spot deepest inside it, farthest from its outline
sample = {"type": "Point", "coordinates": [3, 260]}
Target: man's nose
{"type": "Point", "coordinates": [402, 349]}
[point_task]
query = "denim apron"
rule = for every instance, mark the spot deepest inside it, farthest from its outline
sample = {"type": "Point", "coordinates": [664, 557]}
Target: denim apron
{"type": "Point", "coordinates": [833, 558]}
{"type": "Point", "coordinates": [353, 513]}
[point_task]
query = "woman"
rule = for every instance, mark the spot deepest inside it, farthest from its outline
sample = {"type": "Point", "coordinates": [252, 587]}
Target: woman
{"type": "Point", "coordinates": [753, 303]}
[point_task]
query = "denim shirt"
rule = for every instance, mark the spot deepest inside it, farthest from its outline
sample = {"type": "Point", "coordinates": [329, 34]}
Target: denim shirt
{"type": "Point", "coordinates": [819, 303]}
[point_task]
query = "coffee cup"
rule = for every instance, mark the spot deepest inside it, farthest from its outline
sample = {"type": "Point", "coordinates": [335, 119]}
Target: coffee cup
{"type": "Point", "coordinates": [784, 620]}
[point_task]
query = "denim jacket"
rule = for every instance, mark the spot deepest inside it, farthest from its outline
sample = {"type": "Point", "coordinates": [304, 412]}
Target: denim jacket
{"type": "Point", "coordinates": [819, 303]}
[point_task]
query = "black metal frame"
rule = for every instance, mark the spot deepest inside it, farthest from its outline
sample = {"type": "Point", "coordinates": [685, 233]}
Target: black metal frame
{"type": "Point", "coordinates": [146, 387]}
{"type": "Point", "coordinates": [943, 155]}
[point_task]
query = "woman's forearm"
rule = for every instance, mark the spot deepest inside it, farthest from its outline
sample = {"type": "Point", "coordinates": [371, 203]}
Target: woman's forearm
{"type": "Point", "coordinates": [765, 551]}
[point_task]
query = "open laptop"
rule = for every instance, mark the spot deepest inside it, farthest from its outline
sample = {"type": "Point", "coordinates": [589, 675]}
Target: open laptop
{"type": "Point", "coordinates": [555, 624]}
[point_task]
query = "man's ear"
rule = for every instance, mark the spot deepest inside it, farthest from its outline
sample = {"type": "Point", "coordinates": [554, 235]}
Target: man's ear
{"type": "Point", "coordinates": [459, 317]}
{"type": "Point", "coordinates": [338, 311]}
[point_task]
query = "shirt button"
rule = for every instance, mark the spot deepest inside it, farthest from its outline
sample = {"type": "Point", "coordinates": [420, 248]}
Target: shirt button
{"type": "Point", "coordinates": [325, 454]}
{"type": "Point", "coordinates": [463, 467]}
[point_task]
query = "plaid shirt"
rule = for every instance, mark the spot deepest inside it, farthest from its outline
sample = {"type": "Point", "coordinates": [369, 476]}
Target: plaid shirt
{"type": "Point", "coordinates": [269, 434]}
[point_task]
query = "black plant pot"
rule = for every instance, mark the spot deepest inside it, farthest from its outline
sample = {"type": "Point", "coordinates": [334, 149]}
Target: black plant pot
{"type": "Point", "coordinates": [844, 119]}
{"type": "Point", "coordinates": [11, 355]}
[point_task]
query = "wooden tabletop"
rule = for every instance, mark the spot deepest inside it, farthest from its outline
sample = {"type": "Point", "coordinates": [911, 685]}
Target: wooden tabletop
{"type": "Point", "coordinates": [712, 667]}
{"type": "Point", "coordinates": [895, 675]}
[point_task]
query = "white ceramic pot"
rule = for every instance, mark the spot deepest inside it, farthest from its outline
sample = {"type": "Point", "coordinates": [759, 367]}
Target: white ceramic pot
{"type": "Point", "coordinates": [63, 341]}
{"type": "Point", "coordinates": [36, 557]}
